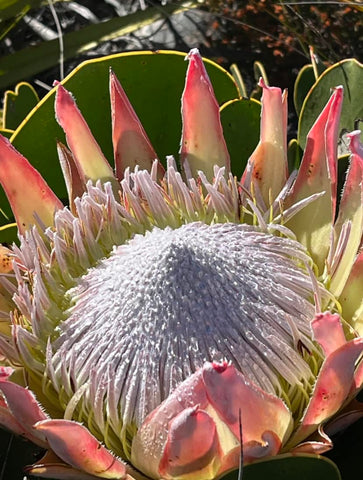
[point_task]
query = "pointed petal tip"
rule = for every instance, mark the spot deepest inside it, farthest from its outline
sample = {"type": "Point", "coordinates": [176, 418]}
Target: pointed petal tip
{"type": "Point", "coordinates": [64, 105]}
{"type": "Point", "coordinates": [337, 95]}
{"type": "Point", "coordinates": [193, 53]}
{"type": "Point", "coordinates": [269, 159]}
{"type": "Point", "coordinates": [262, 83]}
{"type": "Point", "coordinates": [75, 184]}
{"type": "Point", "coordinates": [355, 145]}
{"type": "Point", "coordinates": [277, 90]}
{"type": "Point", "coordinates": [131, 144]}
{"type": "Point", "coordinates": [202, 144]}
{"type": "Point", "coordinates": [27, 191]}
{"type": "Point", "coordinates": [90, 161]}
{"type": "Point", "coordinates": [197, 72]}
{"type": "Point", "coordinates": [339, 89]}
{"type": "Point", "coordinates": [318, 173]}
{"type": "Point", "coordinates": [113, 77]}
{"type": "Point", "coordinates": [62, 94]}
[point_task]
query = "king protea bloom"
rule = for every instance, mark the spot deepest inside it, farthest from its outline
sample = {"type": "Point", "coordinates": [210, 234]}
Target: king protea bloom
{"type": "Point", "coordinates": [163, 310]}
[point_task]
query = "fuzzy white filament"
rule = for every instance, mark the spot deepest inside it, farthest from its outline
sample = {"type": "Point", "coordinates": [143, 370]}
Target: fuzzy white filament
{"type": "Point", "coordinates": [167, 301]}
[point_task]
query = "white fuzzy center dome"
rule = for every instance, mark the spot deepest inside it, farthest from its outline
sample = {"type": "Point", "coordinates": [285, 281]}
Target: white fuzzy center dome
{"type": "Point", "coordinates": [144, 319]}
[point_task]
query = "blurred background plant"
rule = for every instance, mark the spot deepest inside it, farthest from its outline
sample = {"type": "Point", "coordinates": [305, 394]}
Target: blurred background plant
{"type": "Point", "coordinates": [284, 30]}
{"type": "Point", "coordinates": [227, 31]}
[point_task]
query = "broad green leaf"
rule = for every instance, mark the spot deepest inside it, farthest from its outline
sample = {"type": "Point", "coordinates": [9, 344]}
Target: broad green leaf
{"type": "Point", "coordinates": [12, 8]}
{"type": "Point", "coordinates": [8, 232]}
{"type": "Point", "coordinates": [32, 60]}
{"type": "Point", "coordinates": [289, 467]}
{"type": "Point", "coordinates": [18, 104]}
{"type": "Point", "coordinates": [241, 127]}
{"type": "Point", "coordinates": [304, 81]}
{"type": "Point", "coordinates": [153, 81]}
{"type": "Point", "coordinates": [294, 154]}
{"type": "Point", "coordinates": [5, 132]}
{"type": "Point", "coordinates": [12, 11]}
{"type": "Point", "coordinates": [7, 25]}
{"type": "Point", "coordinates": [348, 73]}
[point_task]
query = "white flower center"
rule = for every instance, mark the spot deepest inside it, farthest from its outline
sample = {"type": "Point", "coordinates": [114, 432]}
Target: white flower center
{"type": "Point", "coordinates": [148, 316]}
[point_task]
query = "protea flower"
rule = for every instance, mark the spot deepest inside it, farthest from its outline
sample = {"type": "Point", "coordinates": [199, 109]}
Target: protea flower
{"type": "Point", "coordinates": [164, 310]}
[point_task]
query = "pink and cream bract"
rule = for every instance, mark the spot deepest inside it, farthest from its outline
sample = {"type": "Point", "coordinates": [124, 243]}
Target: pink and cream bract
{"type": "Point", "coordinates": [143, 321]}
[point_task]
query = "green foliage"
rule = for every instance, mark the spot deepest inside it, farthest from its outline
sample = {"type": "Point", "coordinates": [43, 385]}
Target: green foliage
{"type": "Point", "coordinates": [241, 127]}
{"type": "Point", "coordinates": [11, 11]}
{"type": "Point", "coordinates": [290, 467]}
{"type": "Point", "coordinates": [349, 74]}
{"type": "Point", "coordinates": [294, 154]}
{"type": "Point", "coordinates": [6, 132]}
{"type": "Point", "coordinates": [258, 72]}
{"type": "Point", "coordinates": [303, 83]}
{"type": "Point", "coordinates": [18, 104]}
{"type": "Point", "coordinates": [9, 231]}
{"type": "Point", "coordinates": [285, 30]}
{"type": "Point", "coordinates": [313, 87]}
{"type": "Point", "coordinates": [31, 60]}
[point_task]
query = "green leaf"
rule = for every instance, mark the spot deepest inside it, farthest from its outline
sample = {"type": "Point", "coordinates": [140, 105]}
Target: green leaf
{"type": "Point", "coordinates": [153, 81]}
{"type": "Point", "coordinates": [348, 73]}
{"type": "Point", "coordinates": [259, 72]}
{"type": "Point", "coordinates": [8, 232]}
{"type": "Point", "coordinates": [32, 60]}
{"type": "Point", "coordinates": [303, 83]}
{"type": "Point", "coordinates": [12, 11]}
{"type": "Point", "coordinates": [18, 104]}
{"type": "Point", "coordinates": [241, 128]}
{"type": "Point", "coordinates": [289, 467]}
{"type": "Point", "coordinates": [6, 132]}
{"type": "Point", "coordinates": [12, 8]}
{"type": "Point", "coordinates": [294, 155]}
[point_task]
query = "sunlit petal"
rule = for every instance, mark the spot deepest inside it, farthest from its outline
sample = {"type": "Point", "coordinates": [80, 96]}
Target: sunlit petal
{"type": "Point", "coordinates": [202, 142]}
{"type": "Point", "coordinates": [27, 191]}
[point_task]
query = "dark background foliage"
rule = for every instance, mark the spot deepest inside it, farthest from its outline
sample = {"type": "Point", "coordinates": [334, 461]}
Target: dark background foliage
{"type": "Point", "coordinates": [227, 31]}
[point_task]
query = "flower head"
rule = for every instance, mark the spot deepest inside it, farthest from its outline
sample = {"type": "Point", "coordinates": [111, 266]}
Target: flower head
{"type": "Point", "coordinates": [161, 308]}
